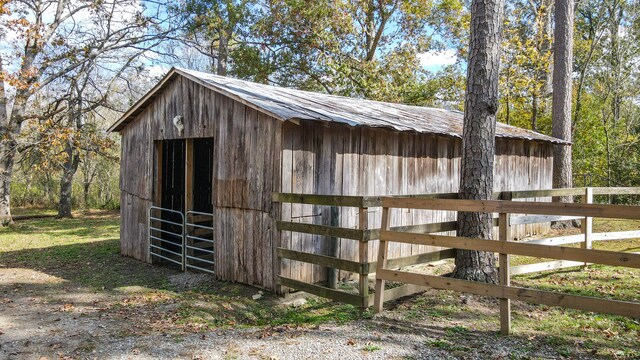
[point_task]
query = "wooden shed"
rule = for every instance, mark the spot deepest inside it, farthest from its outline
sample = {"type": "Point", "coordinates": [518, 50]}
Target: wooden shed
{"type": "Point", "coordinates": [202, 155]}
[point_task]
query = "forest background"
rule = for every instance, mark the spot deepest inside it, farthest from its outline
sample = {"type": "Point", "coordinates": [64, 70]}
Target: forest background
{"type": "Point", "coordinates": [71, 67]}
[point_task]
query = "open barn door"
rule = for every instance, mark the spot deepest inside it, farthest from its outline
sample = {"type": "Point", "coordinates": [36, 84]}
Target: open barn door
{"type": "Point", "coordinates": [166, 218]}
{"type": "Point", "coordinates": [182, 222]}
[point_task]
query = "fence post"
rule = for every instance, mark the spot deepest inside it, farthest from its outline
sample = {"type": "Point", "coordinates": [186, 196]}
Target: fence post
{"type": "Point", "coordinates": [382, 263]}
{"type": "Point", "coordinates": [587, 223]}
{"type": "Point", "coordinates": [332, 274]}
{"type": "Point", "coordinates": [503, 274]}
{"type": "Point", "coordinates": [363, 256]}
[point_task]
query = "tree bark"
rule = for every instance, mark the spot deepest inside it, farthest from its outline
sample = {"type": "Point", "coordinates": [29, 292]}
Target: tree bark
{"type": "Point", "coordinates": [223, 54]}
{"type": "Point", "coordinates": [562, 87]}
{"type": "Point", "coordinates": [478, 141]}
{"type": "Point", "coordinates": [85, 194]}
{"type": "Point", "coordinates": [66, 181]}
{"type": "Point", "coordinates": [7, 156]}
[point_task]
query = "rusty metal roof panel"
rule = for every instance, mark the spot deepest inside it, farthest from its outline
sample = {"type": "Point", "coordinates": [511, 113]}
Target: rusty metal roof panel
{"type": "Point", "coordinates": [289, 104]}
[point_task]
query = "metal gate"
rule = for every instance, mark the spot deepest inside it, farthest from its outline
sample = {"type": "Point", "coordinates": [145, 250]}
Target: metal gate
{"type": "Point", "coordinates": [166, 235]}
{"type": "Point", "coordinates": [186, 241]}
{"type": "Point", "coordinates": [199, 241]}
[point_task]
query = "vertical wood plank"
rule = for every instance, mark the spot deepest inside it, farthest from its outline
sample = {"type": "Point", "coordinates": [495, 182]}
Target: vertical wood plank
{"type": "Point", "coordinates": [239, 266]}
{"type": "Point", "coordinates": [504, 276]}
{"type": "Point", "coordinates": [286, 186]}
{"type": "Point", "coordinates": [273, 184]}
{"type": "Point", "coordinates": [188, 175]}
{"type": "Point", "coordinates": [254, 160]}
{"type": "Point", "coordinates": [363, 253]}
{"type": "Point", "coordinates": [332, 247]}
{"type": "Point", "coordinates": [249, 242]}
{"type": "Point", "coordinates": [159, 169]}
{"type": "Point", "coordinates": [382, 263]}
{"type": "Point", "coordinates": [237, 143]}
{"type": "Point", "coordinates": [587, 222]}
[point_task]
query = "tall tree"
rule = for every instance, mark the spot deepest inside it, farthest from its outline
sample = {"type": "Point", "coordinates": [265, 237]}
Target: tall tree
{"type": "Point", "coordinates": [562, 88]}
{"type": "Point", "coordinates": [42, 42]}
{"type": "Point", "coordinates": [359, 48]}
{"type": "Point", "coordinates": [478, 141]}
{"type": "Point", "coordinates": [219, 29]}
{"type": "Point", "coordinates": [525, 82]}
{"type": "Point", "coordinates": [606, 125]}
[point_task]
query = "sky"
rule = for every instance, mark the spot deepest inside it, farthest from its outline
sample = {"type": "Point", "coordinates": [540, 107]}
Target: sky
{"type": "Point", "coordinates": [435, 60]}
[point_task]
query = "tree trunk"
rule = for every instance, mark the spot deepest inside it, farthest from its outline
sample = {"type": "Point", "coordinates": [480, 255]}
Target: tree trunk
{"type": "Point", "coordinates": [547, 77]}
{"type": "Point", "coordinates": [223, 55]}
{"type": "Point", "coordinates": [66, 182]}
{"type": "Point", "coordinates": [85, 197]}
{"type": "Point", "coordinates": [7, 156]}
{"type": "Point", "coordinates": [534, 113]}
{"type": "Point", "coordinates": [478, 141]}
{"type": "Point", "coordinates": [562, 85]}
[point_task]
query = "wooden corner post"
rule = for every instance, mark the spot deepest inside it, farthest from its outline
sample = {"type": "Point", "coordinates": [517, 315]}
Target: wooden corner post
{"type": "Point", "coordinates": [587, 222]}
{"type": "Point", "coordinates": [333, 248]}
{"type": "Point", "coordinates": [363, 256]}
{"type": "Point", "coordinates": [504, 274]}
{"type": "Point", "coordinates": [382, 263]}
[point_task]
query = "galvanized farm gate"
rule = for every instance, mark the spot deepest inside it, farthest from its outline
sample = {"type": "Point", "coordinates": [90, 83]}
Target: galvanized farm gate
{"type": "Point", "coordinates": [182, 239]}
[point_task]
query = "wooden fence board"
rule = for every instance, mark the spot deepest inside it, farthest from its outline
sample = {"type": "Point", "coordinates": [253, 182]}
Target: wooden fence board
{"type": "Point", "coordinates": [325, 230]}
{"type": "Point", "coordinates": [544, 251]}
{"type": "Point", "coordinates": [523, 194]}
{"type": "Point", "coordinates": [614, 307]}
{"type": "Point", "coordinates": [544, 266]}
{"type": "Point", "coordinates": [311, 199]}
{"type": "Point", "coordinates": [617, 235]}
{"type": "Point", "coordinates": [376, 201]}
{"type": "Point", "coordinates": [497, 206]}
{"type": "Point", "coordinates": [322, 260]}
{"type": "Point", "coordinates": [535, 219]}
{"type": "Point", "coordinates": [560, 240]}
{"type": "Point", "coordinates": [400, 291]}
{"type": "Point", "coordinates": [616, 190]}
{"type": "Point", "coordinates": [415, 259]}
{"type": "Point", "coordinates": [322, 291]}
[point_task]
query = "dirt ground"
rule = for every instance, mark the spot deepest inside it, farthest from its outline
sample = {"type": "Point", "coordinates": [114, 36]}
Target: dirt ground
{"type": "Point", "coordinates": [66, 293]}
{"type": "Point", "coordinates": [44, 316]}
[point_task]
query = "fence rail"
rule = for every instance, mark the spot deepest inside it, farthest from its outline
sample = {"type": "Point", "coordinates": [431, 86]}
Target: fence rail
{"type": "Point", "coordinates": [565, 256]}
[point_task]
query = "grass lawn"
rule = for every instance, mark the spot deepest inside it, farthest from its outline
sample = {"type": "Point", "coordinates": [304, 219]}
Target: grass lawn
{"type": "Point", "coordinates": [571, 333]}
{"type": "Point", "coordinates": [81, 256]}
{"type": "Point", "coordinates": [85, 251]}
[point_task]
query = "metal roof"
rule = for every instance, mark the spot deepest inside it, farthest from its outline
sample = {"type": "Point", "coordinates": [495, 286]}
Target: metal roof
{"type": "Point", "coordinates": [294, 105]}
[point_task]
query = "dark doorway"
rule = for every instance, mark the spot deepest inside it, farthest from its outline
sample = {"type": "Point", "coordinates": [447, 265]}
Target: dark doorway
{"type": "Point", "coordinates": [202, 175]}
{"type": "Point", "coordinates": [173, 174]}
{"type": "Point", "coordinates": [167, 221]}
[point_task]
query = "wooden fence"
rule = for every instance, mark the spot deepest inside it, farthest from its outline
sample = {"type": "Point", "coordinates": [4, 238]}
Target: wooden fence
{"type": "Point", "coordinates": [363, 234]}
{"type": "Point", "coordinates": [546, 248]}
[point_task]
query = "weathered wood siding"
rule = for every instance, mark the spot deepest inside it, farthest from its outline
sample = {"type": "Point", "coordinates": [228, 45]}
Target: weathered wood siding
{"type": "Point", "coordinates": [136, 189]}
{"type": "Point", "coordinates": [339, 160]}
{"type": "Point", "coordinates": [246, 172]}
